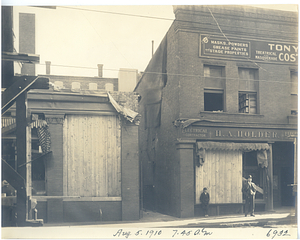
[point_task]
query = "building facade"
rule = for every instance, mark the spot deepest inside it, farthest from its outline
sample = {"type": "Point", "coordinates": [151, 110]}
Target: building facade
{"type": "Point", "coordinates": [69, 153]}
{"type": "Point", "coordinates": [83, 164]}
{"type": "Point", "coordinates": [219, 102]}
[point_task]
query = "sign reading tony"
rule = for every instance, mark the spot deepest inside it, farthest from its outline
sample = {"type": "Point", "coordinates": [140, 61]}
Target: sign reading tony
{"type": "Point", "coordinates": [257, 50]}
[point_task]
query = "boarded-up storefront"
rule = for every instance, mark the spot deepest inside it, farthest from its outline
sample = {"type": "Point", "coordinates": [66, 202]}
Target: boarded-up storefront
{"type": "Point", "coordinates": [84, 165]}
{"type": "Point", "coordinates": [221, 167]}
{"type": "Point", "coordinates": [92, 156]}
{"type": "Point", "coordinates": [221, 173]}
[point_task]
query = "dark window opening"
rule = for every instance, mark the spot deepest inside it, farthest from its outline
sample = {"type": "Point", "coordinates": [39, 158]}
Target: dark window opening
{"type": "Point", "coordinates": [213, 101]}
{"type": "Point", "coordinates": [9, 152]}
{"type": "Point", "coordinates": [37, 166]}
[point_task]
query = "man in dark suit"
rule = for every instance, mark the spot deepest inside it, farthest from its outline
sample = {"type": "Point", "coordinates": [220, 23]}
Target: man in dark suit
{"type": "Point", "coordinates": [249, 192]}
{"type": "Point", "coordinates": [204, 199]}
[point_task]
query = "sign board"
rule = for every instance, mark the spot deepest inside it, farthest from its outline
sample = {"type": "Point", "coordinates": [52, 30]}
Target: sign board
{"type": "Point", "coordinates": [226, 133]}
{"type": "Point", "coordinates": [248, 49]}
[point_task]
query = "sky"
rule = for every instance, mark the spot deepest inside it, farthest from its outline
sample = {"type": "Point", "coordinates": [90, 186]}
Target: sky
{"type": "Point", "coordinates": [82, 36]}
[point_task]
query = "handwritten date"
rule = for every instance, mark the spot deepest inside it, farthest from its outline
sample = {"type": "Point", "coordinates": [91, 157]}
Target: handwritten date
{"type": "Point", "coordinates": [121, 233]}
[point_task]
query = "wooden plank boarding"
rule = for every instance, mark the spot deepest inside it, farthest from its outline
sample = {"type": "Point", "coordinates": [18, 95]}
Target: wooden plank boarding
{"type": "Point", "coordinates": [93, 156]}
{"type": "Point", "coordinates": [216, 175]}
{"type": "Point", "coordinates": [228, 158]}
{"type": "Point", "coordinates": [220, 172]}
{"type": "Point", "coordinates": [234, 191]}
{"type": "Point", "coordinates": [213, 179]}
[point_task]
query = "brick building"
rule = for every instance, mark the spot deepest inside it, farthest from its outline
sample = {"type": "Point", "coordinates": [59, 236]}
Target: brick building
{"type": "Point", "coordinates": [219, 102]}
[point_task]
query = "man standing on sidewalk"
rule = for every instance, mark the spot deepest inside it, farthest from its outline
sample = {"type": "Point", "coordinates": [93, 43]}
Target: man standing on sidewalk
{"type": "Point", "coordinates": [249, 193]}
{"type": "Point", "coordinates": [204, 199]}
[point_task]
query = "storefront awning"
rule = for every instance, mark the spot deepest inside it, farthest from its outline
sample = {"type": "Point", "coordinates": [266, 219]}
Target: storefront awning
{"type": "Point", "coordinates": [232, 146]}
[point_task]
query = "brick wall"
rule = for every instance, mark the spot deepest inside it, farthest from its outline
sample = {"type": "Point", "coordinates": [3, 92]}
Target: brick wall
{"type": "Point", "coordinates": [274, 87]}
{"type": "Point", "coordinates": [130, 172]}
{"type": "Point", "coordinates": [54, 164]}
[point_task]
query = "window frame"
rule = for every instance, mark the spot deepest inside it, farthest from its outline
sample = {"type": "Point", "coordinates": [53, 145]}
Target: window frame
{"type": "Point", "coordinates": [218, 86]}
{"type": "Point", "coordinates": [215, 91]}
{"type": "Point", "coordinates": [247, 102]}
{"type": "Point", "coordinates": [294, 92]}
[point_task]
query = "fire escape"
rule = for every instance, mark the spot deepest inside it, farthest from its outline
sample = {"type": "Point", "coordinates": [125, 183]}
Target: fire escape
{"type": "Point", "coordinates": [14, 91]}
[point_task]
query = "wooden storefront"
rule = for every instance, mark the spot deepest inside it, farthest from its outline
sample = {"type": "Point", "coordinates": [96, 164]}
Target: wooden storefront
{"type": "Point", "coordinates": [90, 170]}
{"type": "Point", "coordinates": [223, 156]}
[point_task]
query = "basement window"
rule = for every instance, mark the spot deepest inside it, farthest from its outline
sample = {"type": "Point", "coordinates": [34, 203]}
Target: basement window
{"type": "Point", "coordinates": [213, 100]}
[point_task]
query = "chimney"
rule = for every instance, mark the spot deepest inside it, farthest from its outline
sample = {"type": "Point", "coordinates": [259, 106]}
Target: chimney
{"type": "Point", "coordinates": [48, 63]}
{"type": "Point", "coordinates": [100, 70]}
{"type": "Point", "coordinates": [27, 40]}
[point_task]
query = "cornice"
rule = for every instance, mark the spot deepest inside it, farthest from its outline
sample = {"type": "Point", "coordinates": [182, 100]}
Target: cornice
{"type": "Point", "coordinates": [239, 11]}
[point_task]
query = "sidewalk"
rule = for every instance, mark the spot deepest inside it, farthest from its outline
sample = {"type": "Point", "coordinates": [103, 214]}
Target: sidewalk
{"type": "Point", "coordinates": [263, 225]}
{"type": "Point", "coordinates": [283, 216]}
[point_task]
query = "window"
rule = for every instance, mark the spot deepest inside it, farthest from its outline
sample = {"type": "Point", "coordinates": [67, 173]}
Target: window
{"type": "Point", "coordinates": [213, 100]}
{"type": "Point", "coordinates": [247, 103]}
{"type": "Point", "coordinates": [214, 88]}
{"type": "Point", "coordinates": [37, 166]}
{"type": "Point", "coordinates": [248, 88]}
{"type": "Point", "coordinates": [294, 93]}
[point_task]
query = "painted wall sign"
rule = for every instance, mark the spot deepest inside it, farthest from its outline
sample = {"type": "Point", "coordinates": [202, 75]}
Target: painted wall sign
{"type": "Point", "coordinates": [257, 50]}
{"type": "Point", "coordinates": [238, 134]}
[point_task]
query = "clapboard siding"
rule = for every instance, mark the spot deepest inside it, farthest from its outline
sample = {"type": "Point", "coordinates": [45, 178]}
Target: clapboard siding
{"type": "Point", "coordinates": [92, 156]}
{"type": "Point", "coordinates": [221, 173]}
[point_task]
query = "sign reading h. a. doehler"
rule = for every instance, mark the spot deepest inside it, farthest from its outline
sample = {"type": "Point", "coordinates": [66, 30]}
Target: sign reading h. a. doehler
{"type": "Point", "coordinates": [257, 50]}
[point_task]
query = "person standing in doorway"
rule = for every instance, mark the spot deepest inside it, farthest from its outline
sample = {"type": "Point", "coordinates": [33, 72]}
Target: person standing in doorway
{"type": "Point", "coordinates": [249, 192]}
{"type": "Point", "coordinates": [204, 199]}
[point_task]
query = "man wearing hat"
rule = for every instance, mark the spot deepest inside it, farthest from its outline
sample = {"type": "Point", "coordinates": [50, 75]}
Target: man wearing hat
{"type": "Point", "coordinates": [204, 199]}
{"type": "Point", "coordinates": [249, 193]}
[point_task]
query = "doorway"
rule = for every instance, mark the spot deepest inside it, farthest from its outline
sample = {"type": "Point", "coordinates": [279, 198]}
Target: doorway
{"type": "Point", "coordinates": [287, 178]}
{"type": "Point", "coordinates": [283, 171]}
